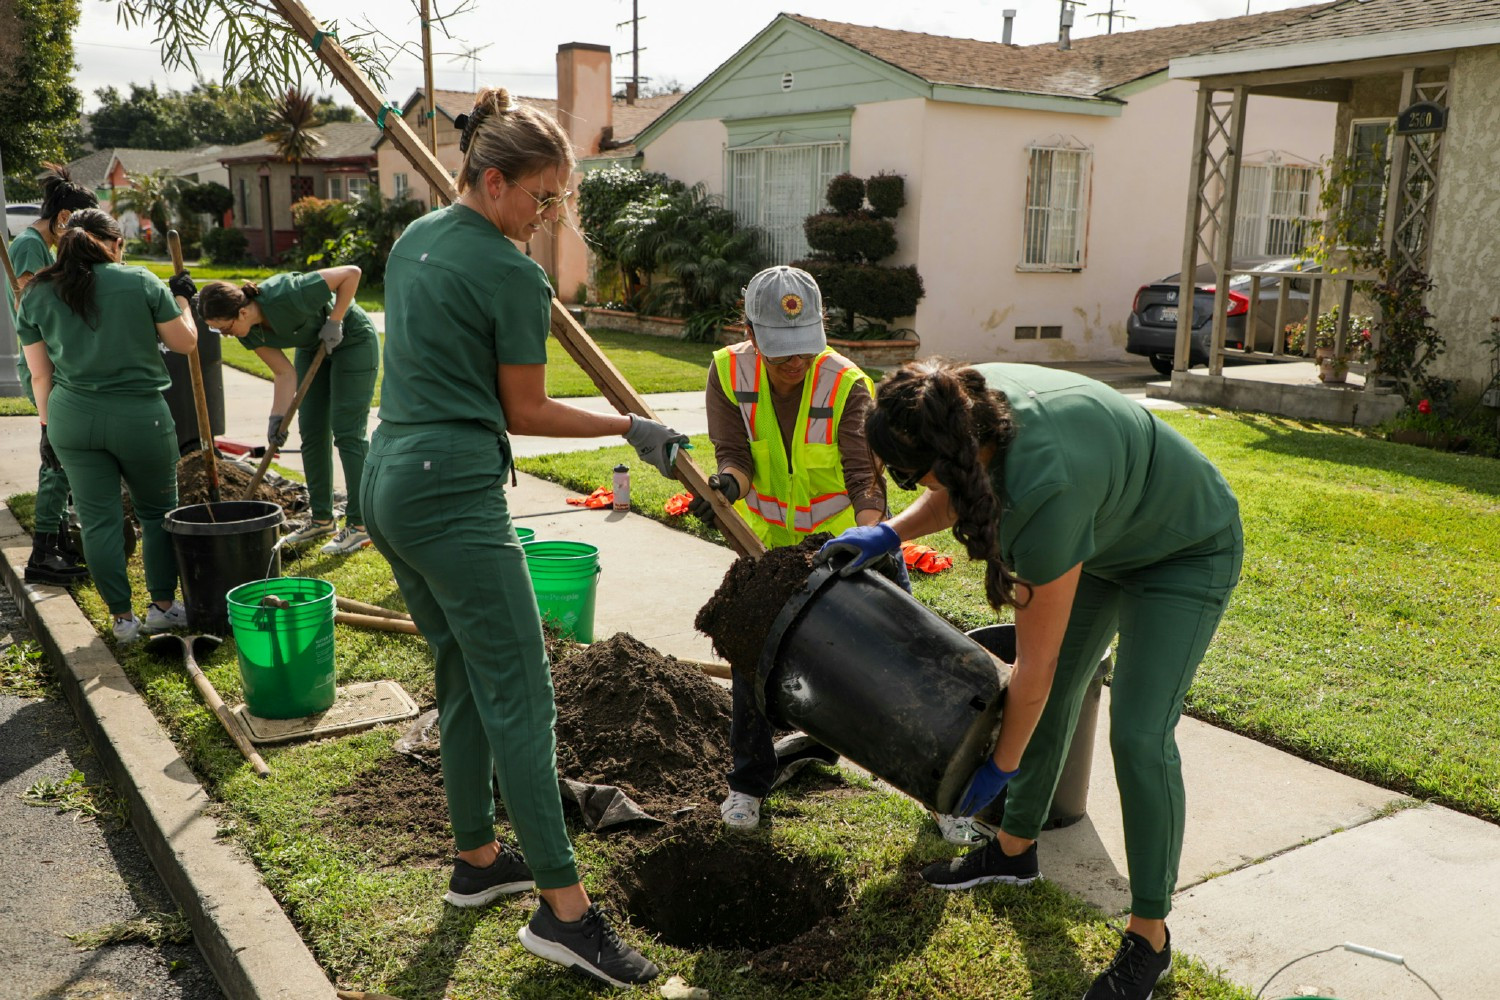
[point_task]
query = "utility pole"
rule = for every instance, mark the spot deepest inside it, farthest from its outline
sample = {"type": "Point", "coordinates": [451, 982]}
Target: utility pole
{"type": "Point", "coordinates": [427, 75]}
{"type": "Point", "coordinates": [633, 83]}
{"type": "Point", "coordinates": [1111, 16]}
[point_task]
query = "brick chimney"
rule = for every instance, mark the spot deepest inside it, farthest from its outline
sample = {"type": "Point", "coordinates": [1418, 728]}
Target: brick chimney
{"type": "Point", "coordinates": [585, 104]}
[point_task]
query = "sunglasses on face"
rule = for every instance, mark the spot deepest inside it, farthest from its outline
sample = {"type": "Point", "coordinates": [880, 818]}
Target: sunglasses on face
{"type": "Point", "coordinates": [908, 480]}
{"type": "Point", "coordinates": [788, 359]}
{"type": "Point", "coordinates": [545, 205]}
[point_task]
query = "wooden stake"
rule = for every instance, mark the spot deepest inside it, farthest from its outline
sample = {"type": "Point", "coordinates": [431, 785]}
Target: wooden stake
{"type": "Point", "coordinates": [360, 607]}
{"type": "Point", "coordinates": [574, 340]}
{"type": "Point", "coordinates": [200, 397]}
{"type": "Point", "coordinates": [286, 421]}
{"type": "Point", "coordinates": [376, 622]}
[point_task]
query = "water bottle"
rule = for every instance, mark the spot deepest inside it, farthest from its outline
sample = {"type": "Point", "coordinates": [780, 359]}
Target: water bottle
{"type": "Point", "coordinates": [622, 487]}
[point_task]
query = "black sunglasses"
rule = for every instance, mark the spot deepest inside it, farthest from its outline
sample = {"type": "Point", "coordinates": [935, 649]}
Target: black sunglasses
{"type": "Point", "coordinates": [908, 480]}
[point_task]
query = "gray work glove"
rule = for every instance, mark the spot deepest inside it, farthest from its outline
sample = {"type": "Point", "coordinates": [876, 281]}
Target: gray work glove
{"type": "Point", "coordinates": [332, 334]}
{"type": "Point", "coordinates": [274, 434]}
{"type": "Point", "coordinates": [655, 442]}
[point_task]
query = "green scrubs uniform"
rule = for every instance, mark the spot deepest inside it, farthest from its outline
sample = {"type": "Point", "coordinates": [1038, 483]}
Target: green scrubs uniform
{"type": "Point", "coordinates": [335, 412]}
{"type": "Point", "coordinates": [28, 255]}
{"type": "Point", "coordinates": [107, 419]}
{"type": "Point", "coordinates": [1094, 478]}
{"type": "Point", "coordinates": [460, 300]}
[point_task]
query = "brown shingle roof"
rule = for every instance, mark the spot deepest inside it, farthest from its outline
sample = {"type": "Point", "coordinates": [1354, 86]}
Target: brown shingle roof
{"type": "Point", "coordinates": [91, 170]}
{"type": "Point", "coordinates": [1089, 69]}
{"type": "Point", "coordinates": [629, 121]}
{"type": "Point", "coordinates": [341, 141]}
{"type": "Point", "coordinates": [1355, 18]}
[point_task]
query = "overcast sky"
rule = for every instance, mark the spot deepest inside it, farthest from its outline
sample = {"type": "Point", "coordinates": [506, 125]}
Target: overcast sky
{"type": "Point", "coordinates": [680, 42]}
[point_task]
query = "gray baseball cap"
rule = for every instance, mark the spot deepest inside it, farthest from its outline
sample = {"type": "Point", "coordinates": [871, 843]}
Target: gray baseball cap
{"type": "Point", "coordinates": [785, 307]}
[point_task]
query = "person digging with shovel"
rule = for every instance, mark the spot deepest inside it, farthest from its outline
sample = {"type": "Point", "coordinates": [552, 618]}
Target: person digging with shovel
{"type": "Point", "coordinates": [467, 319]}
{"type": "Point", "coordinates": [786, 417]}
{"type": "Point", "coordinates": [306, 311]}
{"type": "Point", "coordinates": [89, 326]}
{"type": "Point", "coordinates": [1095, 519]}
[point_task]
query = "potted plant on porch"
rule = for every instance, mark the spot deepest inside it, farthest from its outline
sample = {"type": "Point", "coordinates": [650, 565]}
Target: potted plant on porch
{"type": "Point", "coordinates": [1332, 367]}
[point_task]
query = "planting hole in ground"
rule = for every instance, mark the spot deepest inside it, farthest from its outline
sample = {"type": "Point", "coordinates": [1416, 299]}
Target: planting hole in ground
{"type": "Point", "coordinates": [698, 887]}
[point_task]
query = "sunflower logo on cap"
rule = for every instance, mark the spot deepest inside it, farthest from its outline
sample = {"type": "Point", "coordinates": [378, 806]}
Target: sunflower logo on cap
{"type": "Point", "coordinates": [791, 304]}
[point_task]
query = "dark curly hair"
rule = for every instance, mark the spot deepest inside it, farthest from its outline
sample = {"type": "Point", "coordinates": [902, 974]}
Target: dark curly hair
{"type": "Point", "coordinates": [939, 415]}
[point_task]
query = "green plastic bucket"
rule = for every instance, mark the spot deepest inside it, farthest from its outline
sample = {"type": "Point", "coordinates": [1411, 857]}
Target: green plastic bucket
{"type": "Point", "coordinates": [565, 576]}
{"type": "Point", "coordinates": [286, 654]}
{"type": "Point", "coordinates": [525, 534]}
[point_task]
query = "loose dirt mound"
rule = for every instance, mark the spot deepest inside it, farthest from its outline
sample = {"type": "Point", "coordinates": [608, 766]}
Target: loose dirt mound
{"type": "Point", "coordinates": [631, 717]}
{"type": "Point", "coordinates": [739, 615]}
{"type": "Point", "coordinates": [397, 812]}
{"type": "Point", "coordinates": [192, 485]}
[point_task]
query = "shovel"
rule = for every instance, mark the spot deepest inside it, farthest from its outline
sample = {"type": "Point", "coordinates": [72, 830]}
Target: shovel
{"type": "Point", "coordinates": [168, 645]}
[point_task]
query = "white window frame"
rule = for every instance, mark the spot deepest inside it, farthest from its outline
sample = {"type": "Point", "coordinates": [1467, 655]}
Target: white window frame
{"type": "Point", "coordinates": [775, 188]}
{"type": "Point", "coordinates": [1385, 124]}
{"type": "Point", "coordinates": [401, 184]}
{"type": "Point", "coordinates": [356, 187]}
{"type": "Point", "coordinates": [335, 187]}
{"type": "Point", "coordinates": [1276, 200]}
{"type": "Point", "coordinates": [1055, 217]}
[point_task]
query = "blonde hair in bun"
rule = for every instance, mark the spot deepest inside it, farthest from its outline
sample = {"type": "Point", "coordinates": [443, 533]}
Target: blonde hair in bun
{"type": "Point", "coordinates": [515, 139]}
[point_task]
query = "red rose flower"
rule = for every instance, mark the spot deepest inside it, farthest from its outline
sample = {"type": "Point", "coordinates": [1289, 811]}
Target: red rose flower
{"type": "Point", "coordinates": [1424, 407]}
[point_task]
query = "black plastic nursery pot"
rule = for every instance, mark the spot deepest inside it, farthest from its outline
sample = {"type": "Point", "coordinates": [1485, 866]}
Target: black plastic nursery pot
{"type": "Point", "coordinates": [218, 547]}
{"type": "Point", "coordinates": [864, 668]}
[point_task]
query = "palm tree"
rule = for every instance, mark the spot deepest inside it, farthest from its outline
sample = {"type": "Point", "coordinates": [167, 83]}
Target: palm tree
{"type": "Point", "coordinates": [149, 197]}
{"type": "Point", "coordinates": [293, 117]}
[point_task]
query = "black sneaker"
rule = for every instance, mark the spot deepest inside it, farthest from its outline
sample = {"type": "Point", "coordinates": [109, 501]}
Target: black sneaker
{"type": "Point", "coordinates": [1135, 970]}
{"type": "Point", "coordinates": [472, 886]}
{"type": "Point", "coordinates": [589, 945]}
{"type": "Point", "coordinates": [984, 864]}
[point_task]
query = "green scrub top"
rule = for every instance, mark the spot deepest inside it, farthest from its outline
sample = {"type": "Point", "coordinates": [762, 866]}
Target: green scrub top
{"type": "Point", "coordinates": [293, 306]}
{"type": "Point", "coordinates": [120, 354]}
{"type": "Point", "coordinates": [1094, 478]}
{"type": "Point", "coordinates": [460, 299]}
{"type": "Point", "coordinates": [29, 253]}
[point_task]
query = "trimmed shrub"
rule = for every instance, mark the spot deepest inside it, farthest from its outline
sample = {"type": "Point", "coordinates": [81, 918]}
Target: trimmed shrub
{"type": "Point", "coordinates": [226, 246]}
{"type": "Point", "coordinates": [887, 194]}
{"type": "Point", "coordinates": [856, 236]}
{"type": "Point", "coordinates": [318, 221]}
{"type": "Point", "coordinates": [846, 193]}
{"type": "Point", "coordinates": [883, 293]}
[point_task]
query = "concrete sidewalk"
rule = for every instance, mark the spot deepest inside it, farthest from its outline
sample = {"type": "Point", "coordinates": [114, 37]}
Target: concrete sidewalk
{"type": "Point", "coordinates": [1281, 858]}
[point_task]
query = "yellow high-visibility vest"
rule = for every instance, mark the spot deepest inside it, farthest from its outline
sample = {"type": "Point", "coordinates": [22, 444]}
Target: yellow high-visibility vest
{"type": "Point", "coordinates": [785, 505]}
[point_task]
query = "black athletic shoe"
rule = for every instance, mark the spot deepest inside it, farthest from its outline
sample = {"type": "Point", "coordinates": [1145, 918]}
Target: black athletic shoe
{"type": "Point", "coordinates": [981, 865]}
{"type": "Point", "coordinates": [1135, 970]}
{"type": "Point", "coordinates": [472, 886]}
{"type": "Point", "coordinates": [589, 945]}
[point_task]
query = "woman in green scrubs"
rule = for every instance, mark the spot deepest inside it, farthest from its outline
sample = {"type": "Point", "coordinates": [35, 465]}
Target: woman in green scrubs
{"type": "Point", "coordinates": [302, 311]}
{"type": "Point", "coordinates": [53, 559]}
{"type": "Point", "coordinates": [467, 318]}
{"type": "Point", "coordinates": [89, 326]}
{"type": "Point", "coordinates": [1095, 519]}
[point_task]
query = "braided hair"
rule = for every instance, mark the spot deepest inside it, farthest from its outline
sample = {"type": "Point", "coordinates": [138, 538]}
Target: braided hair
{"type": "Point", "coordinates": [84, 243]}
{"type": "Point", "coordinates": [515, 139]}
{"type": "Point", "coordinates": [940, 415]}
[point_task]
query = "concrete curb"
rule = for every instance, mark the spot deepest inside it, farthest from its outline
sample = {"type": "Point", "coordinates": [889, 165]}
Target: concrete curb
{"type": "Point", "coordinates": [252, 948]}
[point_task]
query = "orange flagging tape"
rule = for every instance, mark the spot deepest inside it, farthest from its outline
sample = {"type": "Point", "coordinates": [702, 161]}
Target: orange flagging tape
{"type": "Point", "coordinates": [924, 558]}
{"type": "Point", "coordinates": [677, 504]}
{"type": "Point", "coordinates": [602, 497]}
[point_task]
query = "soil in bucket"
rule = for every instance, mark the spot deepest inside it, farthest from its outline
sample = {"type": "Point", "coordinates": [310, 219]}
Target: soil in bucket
{"type": "Point", "coordinates": [192, 485]}
{"type": "Point", "coordinates": [739, 615]}
{"type": "Point", "coordinates": [283, 632]}
{"type": "Point", "coordinates": [218, 547]}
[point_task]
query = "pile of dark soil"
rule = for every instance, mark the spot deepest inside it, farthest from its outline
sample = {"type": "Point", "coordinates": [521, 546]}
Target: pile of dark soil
{"type": "Point", "coordinates": [739, 615]}
{"type": "Point", "coordinates": [192, 485]}
{"type": "Point", "coordinates": [397, 812]}
{"type": "Point", "coordinates": [654, 727]}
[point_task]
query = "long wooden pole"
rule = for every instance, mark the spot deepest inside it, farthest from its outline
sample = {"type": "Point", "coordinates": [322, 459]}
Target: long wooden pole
{"type": "Point", "coordinates": [565, 328]}
{"type": "Point", "coordinates": [286, 421]}
{"type": "Point", "coordinates": [427, 75]}
{"type": "Point", "coordinates": [200, 397]}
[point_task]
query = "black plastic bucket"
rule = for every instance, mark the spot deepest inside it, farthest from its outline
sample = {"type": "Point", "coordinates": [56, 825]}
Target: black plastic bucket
{"type": "Point", "coordinates": [1070, 802]}
{"type": "Point", "coordinates": [218, 547]}
{"type": "Point", "coordinates": [865, 669]}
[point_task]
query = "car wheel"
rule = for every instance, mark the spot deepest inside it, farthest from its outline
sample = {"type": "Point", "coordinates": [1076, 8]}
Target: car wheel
{"type": "Point", "coordinates": [1162, 364]}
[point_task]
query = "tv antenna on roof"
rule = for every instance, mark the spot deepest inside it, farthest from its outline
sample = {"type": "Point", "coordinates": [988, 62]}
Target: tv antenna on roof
{"type": "Point", "coordinates": [1112, 15]}
{"type": "Point", "coordinates": [471, 56]}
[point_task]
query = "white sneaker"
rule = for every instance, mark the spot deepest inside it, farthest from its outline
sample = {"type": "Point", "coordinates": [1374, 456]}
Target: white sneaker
{"type": "Point", "coordinates": [310, 531]}
{"type": "Point", "coordinates": [740, 811]}
{"type": "Point", "coordinates": [959, 830]}
{"type": "Point", "coordinates": [127, 630]}
{"type": "Point", "coordinates": [158, 620]}
{"type": "Point", "coordinates": [347, 541]}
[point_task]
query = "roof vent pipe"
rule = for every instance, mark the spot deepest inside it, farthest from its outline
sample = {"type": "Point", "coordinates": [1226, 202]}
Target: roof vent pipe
{"type": "Point", "coordinates": [1010, 20]}
{"type": "Point", "coordinates": [1065, 28]}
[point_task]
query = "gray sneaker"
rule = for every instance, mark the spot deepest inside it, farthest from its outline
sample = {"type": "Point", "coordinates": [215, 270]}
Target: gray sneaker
{"type": "Point", "coordinates": [351, 539]}
{"type": "Point", "coordinates": [984, 865]}
{"type": "Point", "coordinates": [158, 620]}
{"type": "Point", "coordinates": [309, 532]}
{"type": "Point", "coordinates": [127, 630]}
{"type": "Point", "coordinates": [471, 886]}
{"type": "Point", "coordinates": [589, 945]}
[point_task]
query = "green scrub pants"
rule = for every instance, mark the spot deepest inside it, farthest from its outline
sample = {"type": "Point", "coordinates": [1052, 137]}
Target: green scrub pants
{"type": "Point", "coordinates": [335, 413]}
{"type": "Point", "coordinates": [1165, 615]}
{"type": "Point", "coordinates": [52, 487]}
{"type": "Point", "coordinates": [435, 507]}
{"type": "Point", "coordinates": [100, 439]}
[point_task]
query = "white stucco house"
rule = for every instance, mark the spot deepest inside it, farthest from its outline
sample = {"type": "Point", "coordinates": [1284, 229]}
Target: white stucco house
{"type": "Point", "coordinates": [1044, 183]}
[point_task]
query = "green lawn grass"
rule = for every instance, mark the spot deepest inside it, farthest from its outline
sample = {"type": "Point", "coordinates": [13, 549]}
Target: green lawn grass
{"type": "Point", "coordinates": [1365, 632]}
{"type": "Point", "coordinates": [16, 406]}
{"type": "Point", "coordinates": [371, 298]}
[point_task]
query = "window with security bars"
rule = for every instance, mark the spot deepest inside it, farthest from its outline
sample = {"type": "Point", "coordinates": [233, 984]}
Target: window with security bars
{"type": "Point", "coordinates": [1056, 207]}
{"type": "Point", "coordinates": [302, 187]}
{"type": "Point", "coordinates": [775, 188]}
{"type": "Point", "coordinates": [1277, 209]}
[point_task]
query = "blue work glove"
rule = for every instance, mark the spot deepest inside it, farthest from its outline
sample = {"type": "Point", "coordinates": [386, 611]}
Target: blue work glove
{"type": "Point", "coordinates": [865, 543]}
{"type": "Point", "coordinates": [182, 284]}
{"type": "Point", "coordinates": [655, 442]}
{"type": "Point", "coordinates": [332, 334]}
{"type": "Point", "coordinates": [893, 568]}
{"type": "Point", "coordinates": [987, 782]}
{"type": "Point", "coordinates": [274, 434]}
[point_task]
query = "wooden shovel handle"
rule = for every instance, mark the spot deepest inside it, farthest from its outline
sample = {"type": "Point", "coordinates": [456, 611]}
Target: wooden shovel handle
{"type": "Point", "coordinates": [226, 719]}
{"type": "Point", "coordinates": [286, 420]}
{"type": "Point", "coordinates": [360, 607]}
{"type": "Point", "coordinates": [200, 395]}
{"type": "Point", "coordinates": [376, 622]}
